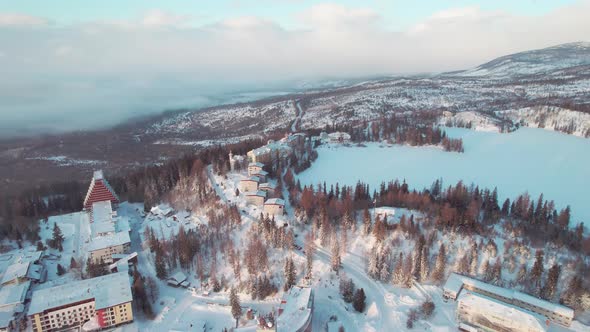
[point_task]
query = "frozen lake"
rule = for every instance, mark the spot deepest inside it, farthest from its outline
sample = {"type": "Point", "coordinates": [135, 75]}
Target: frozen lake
{"type": "Point", "coordinates": [527, 160]}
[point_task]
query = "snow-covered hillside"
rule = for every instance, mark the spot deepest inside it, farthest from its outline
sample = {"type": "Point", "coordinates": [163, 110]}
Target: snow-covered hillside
{"type": "Point", "coordinates": [534, 62]}
{"type": "Point", "coordinates": [551, 118]}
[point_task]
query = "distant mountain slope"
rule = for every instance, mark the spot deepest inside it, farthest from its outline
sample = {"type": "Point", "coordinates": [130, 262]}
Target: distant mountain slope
{"type": "Point", "coordinates": [533, 62]}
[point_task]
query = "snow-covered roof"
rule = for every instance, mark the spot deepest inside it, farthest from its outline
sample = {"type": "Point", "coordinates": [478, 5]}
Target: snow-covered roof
{"type": "Point", "coordinates": [518, 318]}
{"type": "Point", "coordinates": [261, 172]}
{"type": "Point", "coordinates": [456, 281]}
{"type": "Point", "coordinates": [98, 175]}
{"type": "Point", "coordinates": [257, 164]}
{"type": "Point", "coordinates": [274, 201]}
{"type": "Point", "coordinates": [111, 240]}
{"type": "Point", "coordinates": [256, 193]}
{"type": "Point", "coordinates": [16, 270]}
{"type": "Point", "coordinates": [103, 228]}
{"type": "Point", "coordinates": [252, 178]}
{"type": "Point", "coordinates": [107, 291]}
{"type": "Point", "coordinates": [102, 212]}
{"type": "Point", "coordinates": [296, 309]}
{"type": "Point", "coordinates": [13, 294]}
{"type": "Point", "coordinates": [266, 185]}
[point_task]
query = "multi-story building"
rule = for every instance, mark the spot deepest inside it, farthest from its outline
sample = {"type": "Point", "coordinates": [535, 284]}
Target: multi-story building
{"type": "Point", "coordinates": [254, 168]}
{"type": "Point", "coordinates": [274, 207]}
{"type": "Point", "coordinates": [458, 284]}
{"type": "Point", "coordinates": [296, 310]}
{"type": "Point", "coordinates": [249, 184]}
{"type": "Point", "coordinates": [255, 197]}
{"type": "Point", "coordinates": [99, 190]}
{"type": "Point", "coordinates": [101, 302]}
{"type": "Point", "coordinates": [102, 248]}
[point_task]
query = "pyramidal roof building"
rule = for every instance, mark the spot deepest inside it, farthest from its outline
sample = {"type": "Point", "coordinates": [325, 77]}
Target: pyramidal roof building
{"type": "Point", "coordinates": [99, 190]}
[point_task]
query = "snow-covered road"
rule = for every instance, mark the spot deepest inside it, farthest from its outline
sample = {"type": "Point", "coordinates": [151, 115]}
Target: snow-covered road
{"type": "Point", "coordinates": [375, 292]}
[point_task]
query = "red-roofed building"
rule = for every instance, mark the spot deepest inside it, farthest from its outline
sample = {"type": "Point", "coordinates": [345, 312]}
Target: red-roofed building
{"type": "Point", "coordinates": [99, 191]}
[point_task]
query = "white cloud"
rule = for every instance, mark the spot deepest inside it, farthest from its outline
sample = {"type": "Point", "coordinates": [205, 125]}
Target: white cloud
{"type": "Point", "coordinates": [175, 65]}
{"type": "Point", "coordinates": [158, 17]}
{"type": "Point", "coordinates": [13, 19]}
{"type": "Point", "coordinates": [334, 15]}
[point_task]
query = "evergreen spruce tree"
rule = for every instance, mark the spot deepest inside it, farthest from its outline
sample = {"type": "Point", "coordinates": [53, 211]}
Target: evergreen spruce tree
{"type": "Point", "coordinates": [424, 266]}
{"type": "Point", "coordinates": [234, 301]}
{"type": "Point", "coordinates": [336, 261]}
{"type": "Point", "coordinates": [537, 273]}
{"type": "Point", "coordinates": [408, 278]}
{"type": "Point", "coordinates": [439, 267]}
{"type": "Point", "coordinates": [398, 272]}
{"type": "Point", "coordinates": [161, 271]}
{"type": "Point", "coordinates": [366, 222]}
{"type": "Point", "coordinates": [359, 300]}
{"type": "Point", "coordinates": [58, 238]}
{"type": "Point", "coordinates": [522, 274]}
{"type": "Point", "coordinates": [290, 273]}
{"type": "Point", "coordinates": [550, 288]}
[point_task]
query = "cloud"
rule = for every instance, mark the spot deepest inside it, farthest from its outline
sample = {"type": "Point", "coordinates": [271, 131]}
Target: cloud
{"type": "Point", "coordinates": [13, 19]}
{"type": "Point", "coordinates": [158, 18]}
{"type": "Point", "coordinates": [326, 15]}
{"type": "Point", "coordinates": [108, 71]}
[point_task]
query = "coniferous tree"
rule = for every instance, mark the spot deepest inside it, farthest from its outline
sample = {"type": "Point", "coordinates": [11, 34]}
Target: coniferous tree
{"type": "Point", "coordinates": [359, 300]}
{"type": "Point", "coordinates": [522, 274]}
{"type": "Point", "coordinates": [60, 270]}
{"type": "Point", "coordinates": [73, 263]}
{"type": "Point", "coordinates": [550, 288]}
{"type": "Point", "coordinates": [335, 259]}
{"type": "Point", "coordinates": [234, 301]}
{"type": "Point", "coordinates": [398, 272]}
{"type": "Point", "coordinates": [497, 272]}
{"type": "Point", "coordinates": [408, 268]}
{"type": "Point", "coordinates": [161, 270]}
{"type": "Point", "coordinates": [347, 289]}
{"type": "Point", "coordinates": [537, 273]}
{"type": "Point", "coordinates": [58, 238]}
{"type": "Point", "coordinates": [290, 273]}
{"type": "Point", "coordinates": [366, 222]}
{"type": "Point", "coordinates": [424, 266]}
{"type": "Point", "coordinates": [439, 267]}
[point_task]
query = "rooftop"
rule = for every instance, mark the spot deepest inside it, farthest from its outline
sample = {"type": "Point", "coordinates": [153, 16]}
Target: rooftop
{"type": "Point", "coordinates": [456, 282]}
{"type": "Point", "coordinates": [98, 175]}
{"type": "Point", "coordinates": [515, 317]}
{"type": "Point", "coordinates": [13, 294]}
{"type": "Point", "coordinates": [256, 164]}
{"type": "Point", "coordinates": [252, 178]}
{"type": "Point", "coordinates": [107, 291]}
{"type": "Point", "coordinates": [102, 212]}
{"type": "Point", "coordinates": [296, 309]}
{"type": "Point", "coordinates": [275, 201]}
{"type": "Point", "coordinates": [101, 242]}
{"type": "Point", "coordinates": [256, 193]}
{"type": "Point", "coordinates": [16, 270]}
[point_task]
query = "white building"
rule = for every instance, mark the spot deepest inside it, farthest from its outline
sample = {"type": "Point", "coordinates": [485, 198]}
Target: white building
{"type": "Point", "coordinates": [102, 248]}
{"type": "Point", "coordinates": [249, 184]}
{"type": "Point", "coordinates": [457, 284]}
{"type": "Point", "coordinates": [296, 310]}
{"type": "Point", "coordinates": [482, 312]}
{"type": "Point", "coordinates": [255, 197]}
{"type": "Point", "coordinates": [254, 168]}
{"type": "Point", "coordinates": [12, 300]}
{"type": "Point", "coordinates": [105, 301]}
{"type": "Point", "coordinates": [274, 206]}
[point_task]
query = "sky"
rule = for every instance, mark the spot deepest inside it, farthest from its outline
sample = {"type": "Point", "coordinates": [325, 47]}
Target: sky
{"type": "Point", "coordinates": [70, 65]}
